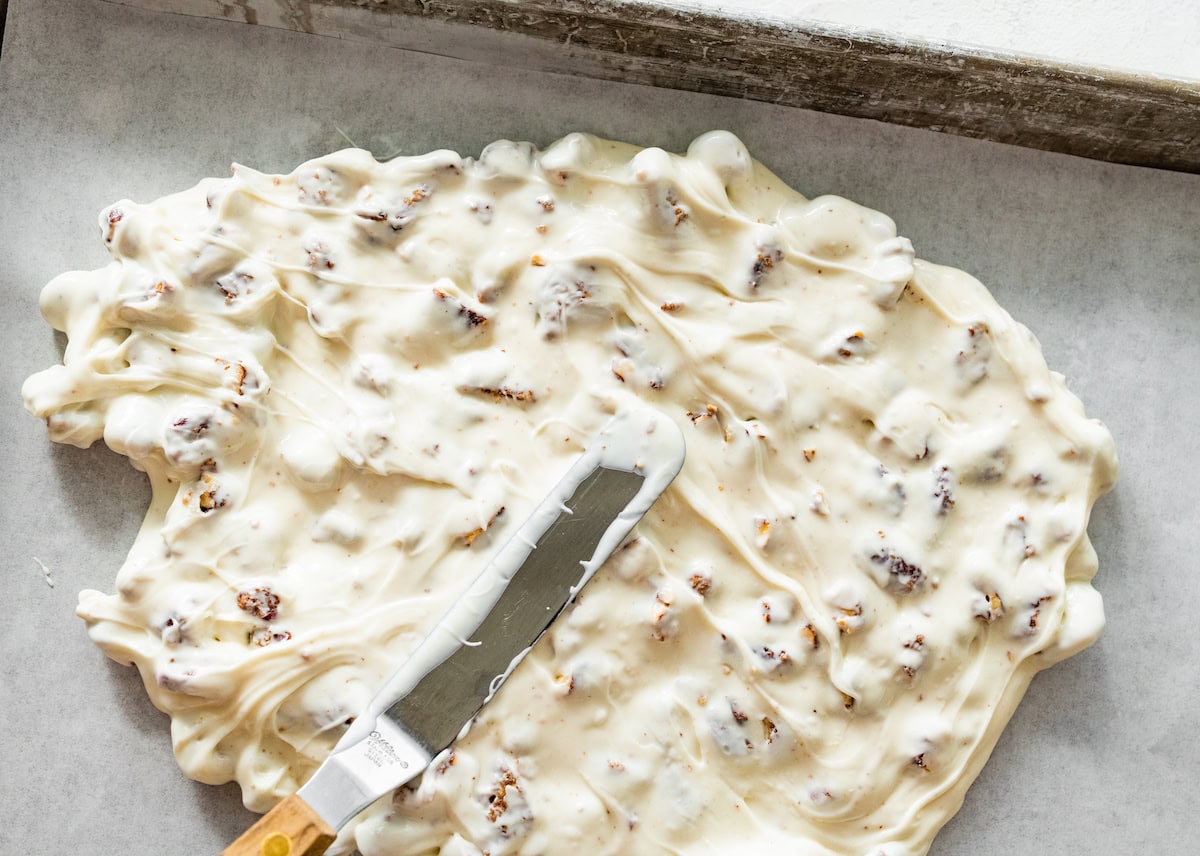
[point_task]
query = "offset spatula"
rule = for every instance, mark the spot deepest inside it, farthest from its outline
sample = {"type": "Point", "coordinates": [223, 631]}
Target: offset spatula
{"type": "Point", "coordinates": [426, 705]}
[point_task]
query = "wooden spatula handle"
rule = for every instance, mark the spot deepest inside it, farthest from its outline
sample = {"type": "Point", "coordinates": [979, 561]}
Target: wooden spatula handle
{"type": "Point", "coordinates": [292, 828]}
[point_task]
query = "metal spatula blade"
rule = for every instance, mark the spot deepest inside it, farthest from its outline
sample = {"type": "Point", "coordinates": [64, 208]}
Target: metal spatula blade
{"type": "Point", "coordinates": [434, 695]}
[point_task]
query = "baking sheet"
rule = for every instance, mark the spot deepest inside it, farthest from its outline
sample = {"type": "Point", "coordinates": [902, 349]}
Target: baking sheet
{"type": "Point", "coordinates": [770, 55]}
{"type": "Point", "coordinates": [99, 102]}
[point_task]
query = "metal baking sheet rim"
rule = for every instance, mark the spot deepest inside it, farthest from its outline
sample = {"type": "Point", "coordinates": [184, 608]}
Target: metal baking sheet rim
{"type": "Point", "coordinates": [1104, 114]}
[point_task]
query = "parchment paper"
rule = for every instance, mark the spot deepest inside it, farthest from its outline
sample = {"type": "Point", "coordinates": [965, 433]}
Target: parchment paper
{"type": "Point", "coordinates": [99, 102]}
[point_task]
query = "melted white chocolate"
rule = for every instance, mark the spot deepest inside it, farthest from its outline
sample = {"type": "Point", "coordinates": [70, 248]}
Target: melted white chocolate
{"type": "Point", "coordinates": [348, 384]}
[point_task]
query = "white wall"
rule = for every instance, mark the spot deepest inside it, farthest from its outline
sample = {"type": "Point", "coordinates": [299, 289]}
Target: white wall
{"type": "Point", "coordinates": [1152, 36]}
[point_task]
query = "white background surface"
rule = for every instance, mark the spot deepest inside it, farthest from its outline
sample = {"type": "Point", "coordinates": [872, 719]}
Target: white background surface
{"type": "Point", "coordinates": [1154, 36]}
{"type": "Point", "coordinates": [101, 102]}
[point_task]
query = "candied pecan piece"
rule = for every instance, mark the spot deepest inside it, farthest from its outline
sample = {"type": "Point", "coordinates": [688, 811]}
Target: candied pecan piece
{"type": "Point", "coordinates": [905, 576]}
{"type": "Point", "coordinates": [261, 603]}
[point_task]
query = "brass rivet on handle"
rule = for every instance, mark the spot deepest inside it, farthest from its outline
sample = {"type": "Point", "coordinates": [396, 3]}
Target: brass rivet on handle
{"type": "Point", "coordinates": [276, 844]}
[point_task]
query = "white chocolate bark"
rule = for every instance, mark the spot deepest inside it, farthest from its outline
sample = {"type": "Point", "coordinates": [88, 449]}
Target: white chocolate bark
{"type": "Point", "coordinates": [347, 384]}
